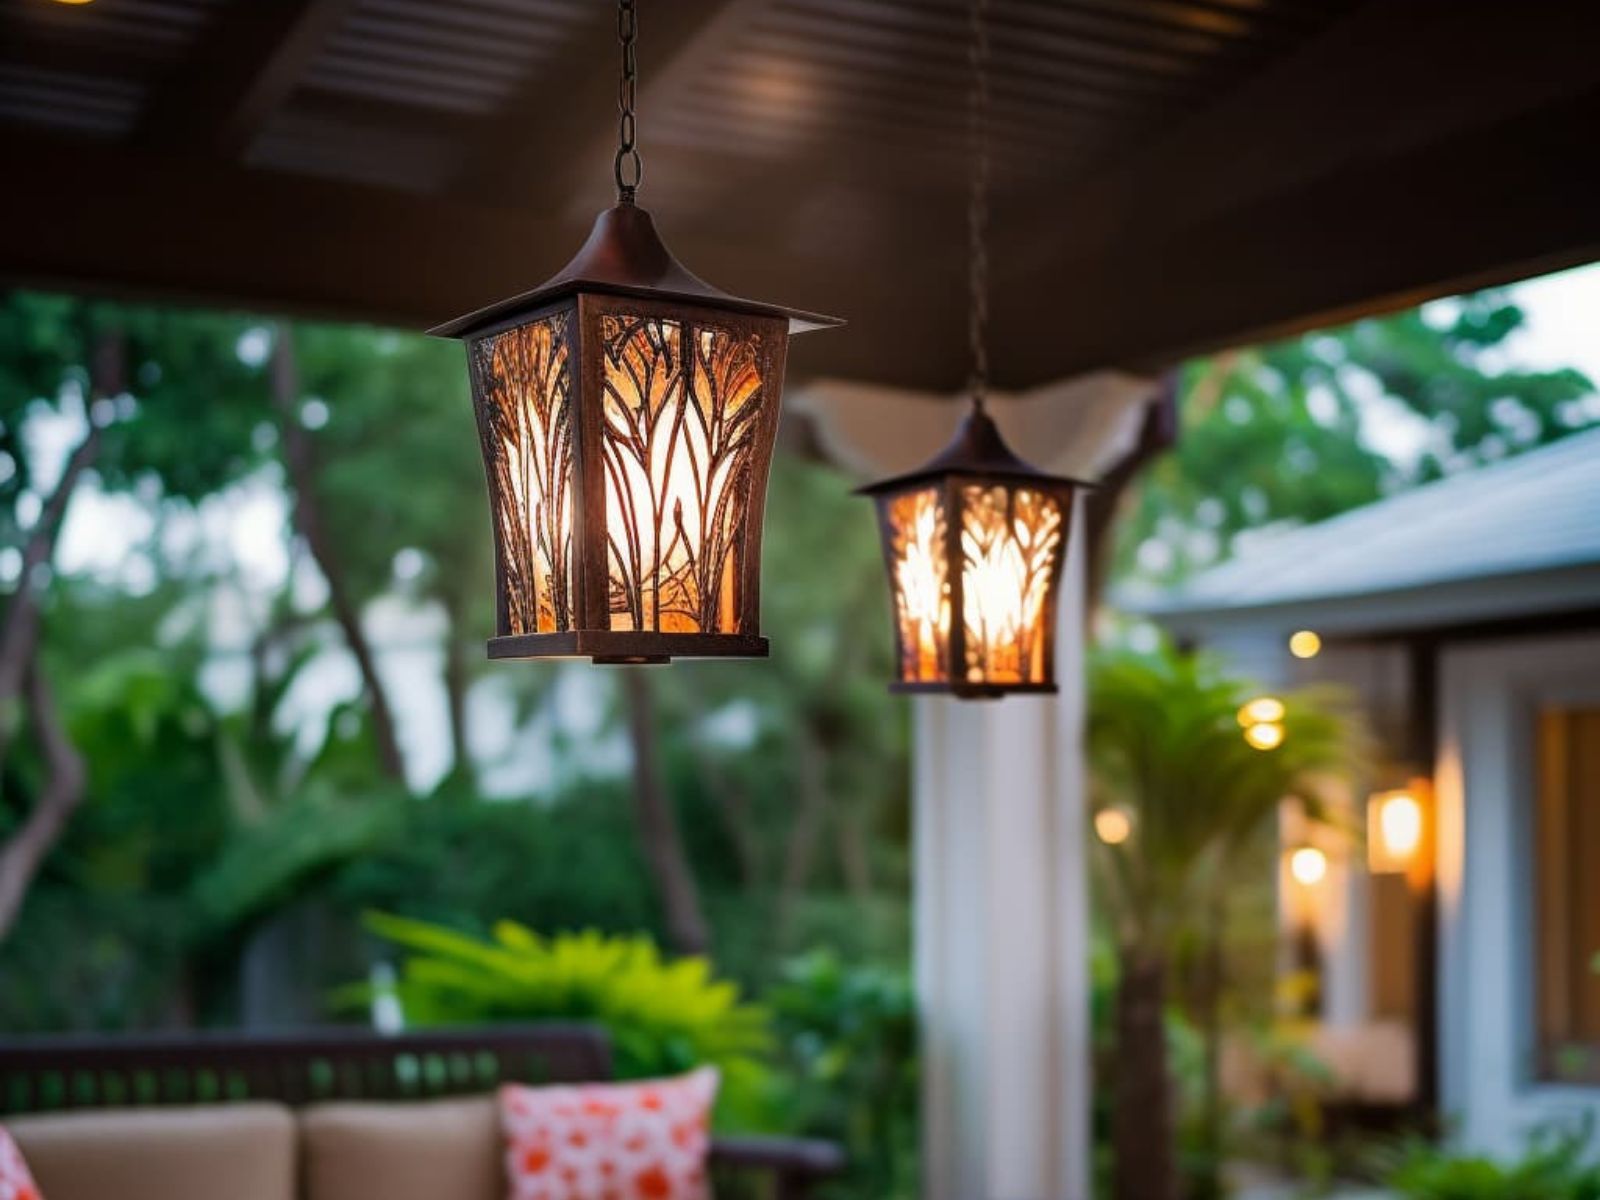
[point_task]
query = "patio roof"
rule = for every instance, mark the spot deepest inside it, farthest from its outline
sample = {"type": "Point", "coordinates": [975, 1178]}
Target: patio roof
{"type": "Point", "coordinates": [1171, 174]}
{"type": "Point", "coordinates": [1519, 537]}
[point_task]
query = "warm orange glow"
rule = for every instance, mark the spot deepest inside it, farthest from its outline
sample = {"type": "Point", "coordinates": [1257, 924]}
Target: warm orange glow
{"type": "Point", "coordinates": [74, 3]}
{"type": "Point", "coordinates": [917, 534]}
{"type": "Point", "coordinates": [525, 421]}
{"type": "Point", "coordinates": [1308, 865]}
{"type": "Point", "coordinates": [1268, 735]}
{"type": "Point", "coordinates": [1010, 557]}
{"type": "Point", "coordinates": [1261, 710]}
{"type": "Point", "coordinates": [1394, 831]}
{"type": "Point", "coordinates": [682, 420]}
{"type": "Point", "coordinates": [1113, 826]}
{"type": "Point", "coordinates": [1305, 644]}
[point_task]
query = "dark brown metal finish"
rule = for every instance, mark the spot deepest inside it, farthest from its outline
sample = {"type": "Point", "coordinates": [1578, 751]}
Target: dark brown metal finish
{"type": "Point", "coordinates": [61, 1074]}
{"type": "Point", "coordinates": [625, 256]}
{"type": "Point", "coordinates": [977, 450]}
{"type": "Point", "coordinates": [606, 435]}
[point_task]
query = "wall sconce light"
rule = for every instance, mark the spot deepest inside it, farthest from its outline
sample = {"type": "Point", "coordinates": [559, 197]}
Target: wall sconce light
{"type": "Point", "coordinates": [1305, 643]}
{"type": "Point", "coordinates": [1395, 822]}
{"type": "Point", "coordinates": [1308, 865]}
{"type": "Point", "coordinates": [1262, 722]}
{"type": "Point", "coordinates": [1113, 825]}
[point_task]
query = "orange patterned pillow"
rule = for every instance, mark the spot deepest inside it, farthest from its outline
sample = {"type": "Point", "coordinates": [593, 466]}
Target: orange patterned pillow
{"type": "Point", "coordinates": [15, 1182]}
{"type": "Point", "coordinates": [610, 1141]}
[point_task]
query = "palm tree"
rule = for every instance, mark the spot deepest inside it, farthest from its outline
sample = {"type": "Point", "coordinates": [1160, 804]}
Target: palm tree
{"type": "Point", "coordinates": [1166, 747]}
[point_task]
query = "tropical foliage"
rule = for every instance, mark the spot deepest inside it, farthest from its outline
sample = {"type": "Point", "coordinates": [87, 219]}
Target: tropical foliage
{"type": "Point", "coordinates": [1557, 1165]}
{"type": "Point", "coordinates": [1166, 749]}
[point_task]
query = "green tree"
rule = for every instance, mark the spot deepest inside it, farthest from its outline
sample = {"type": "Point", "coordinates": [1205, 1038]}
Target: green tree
{"type": "Point", "coordinates": [164, 404]}
{"type": "Point", "coordinates": [1165, 747]}
{"type": "Point", "coordinates": [1276, 434]}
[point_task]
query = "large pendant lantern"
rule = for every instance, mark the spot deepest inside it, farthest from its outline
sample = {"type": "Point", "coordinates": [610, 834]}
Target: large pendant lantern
{"type": "Point", "coordinates": [627, 412]}
{"type": "Point", "coordinates": [974, 540]}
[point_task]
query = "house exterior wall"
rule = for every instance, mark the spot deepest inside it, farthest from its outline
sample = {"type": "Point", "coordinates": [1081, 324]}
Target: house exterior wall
{"type": "Point", "coordinates": [1485, 789]}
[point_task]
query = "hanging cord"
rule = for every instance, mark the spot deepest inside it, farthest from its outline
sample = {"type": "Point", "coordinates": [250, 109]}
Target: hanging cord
{"type": "Point", "coordinates": [629, 166]}
{"type": "Point", "coordinates": [978, 201]}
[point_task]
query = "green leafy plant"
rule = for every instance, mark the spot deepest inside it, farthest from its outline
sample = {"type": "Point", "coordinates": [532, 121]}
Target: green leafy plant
{"type": "Point", "coordinates": [1557, 1165]}
{"type": "Point", "coordinates": [1166, 748]}
{"type": "Point", "coordinates": [663, 1016]}
{"type": "Point", "coordinates": [848, 1046]}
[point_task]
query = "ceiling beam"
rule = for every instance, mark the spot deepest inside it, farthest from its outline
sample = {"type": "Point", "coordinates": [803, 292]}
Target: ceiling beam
{"type": "Point", "coordinates": [248, 61]}
{"type": "Point", "coordinates": [557, 138]}
{"type": "Point", "coordinates": [1395, 84]}
{"type": "Point", "coordinates": [1487, 206]}
{"type": "Point", "coordinates": [190, 230]}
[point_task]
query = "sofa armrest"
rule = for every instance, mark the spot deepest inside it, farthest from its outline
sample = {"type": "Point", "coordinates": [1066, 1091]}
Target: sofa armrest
{"type": "Point", "coordinates": [795, 1163]}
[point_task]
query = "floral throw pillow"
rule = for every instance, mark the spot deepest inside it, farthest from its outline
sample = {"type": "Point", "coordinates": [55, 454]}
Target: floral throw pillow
{"type": "Point", "coordinates": [15, 1182]}
{"type": "Point", "coordinates": [645, 1140]}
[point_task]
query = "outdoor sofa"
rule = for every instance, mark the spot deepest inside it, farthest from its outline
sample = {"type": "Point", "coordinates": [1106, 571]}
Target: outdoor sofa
{"type": "Point", "coordinates": [335, 1115]}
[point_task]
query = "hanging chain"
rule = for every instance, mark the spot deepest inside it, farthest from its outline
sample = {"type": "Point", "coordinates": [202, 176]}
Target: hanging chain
{"type": "Point", "coordinates": [978, 200]}
{"type": "Point", "coordinates": [629, 166]}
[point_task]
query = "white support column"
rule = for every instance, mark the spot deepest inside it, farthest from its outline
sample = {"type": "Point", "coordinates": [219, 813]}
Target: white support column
{"type": "Point", "coordinates": [1001, 930]}
{"type": "Point", "coordinates": [1001, 906]}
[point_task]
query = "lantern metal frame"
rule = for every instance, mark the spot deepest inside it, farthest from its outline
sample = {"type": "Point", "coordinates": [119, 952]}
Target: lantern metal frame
{"type": "Point", "coordinates": [626, 296]}
{"type": "Point", "coordinates": [977, 457]}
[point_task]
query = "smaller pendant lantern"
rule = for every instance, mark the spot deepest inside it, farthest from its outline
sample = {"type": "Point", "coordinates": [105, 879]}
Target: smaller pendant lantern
{"type": "Point", "coordinates": [627, 412]}
{"type": "Point", "coordinates": [975, 539]}
{"type": "Point", "coordinates": [974, 542]}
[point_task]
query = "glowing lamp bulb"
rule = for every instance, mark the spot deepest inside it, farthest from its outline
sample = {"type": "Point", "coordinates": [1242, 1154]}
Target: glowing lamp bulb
{"type": "Point", "coordinates": [1400, 822]}
{"type": "Point", "coordinates": [1308, 865]}
{"type": "Point", "coordinates": [1113, 826]}
{"type": "Point", "coordinates": [1305, 644]}
{"type": "Point", "coordinates": [1261, 710]}
{"type": "Point", "coordinates": [1267, 735]}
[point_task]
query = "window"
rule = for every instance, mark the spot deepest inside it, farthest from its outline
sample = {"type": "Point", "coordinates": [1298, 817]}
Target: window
{"type": "Point", "coordinates": [1567, 883]}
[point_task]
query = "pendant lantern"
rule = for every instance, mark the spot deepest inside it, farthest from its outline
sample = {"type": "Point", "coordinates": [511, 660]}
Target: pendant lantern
{"type": "Point", "coordinates": [627, 412]}
{"type": "Point", "coordinates": [974, 540]}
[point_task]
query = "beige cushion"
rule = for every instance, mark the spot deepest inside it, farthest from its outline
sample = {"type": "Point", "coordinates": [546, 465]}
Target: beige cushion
{"type": "Point", "coordinates": [218, 1152]}
{"type": "Point", "coordinates": [422, 1150]}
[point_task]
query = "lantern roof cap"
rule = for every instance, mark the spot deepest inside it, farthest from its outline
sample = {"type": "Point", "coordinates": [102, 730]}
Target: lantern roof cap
{"type": "Point", "coordinates": [625, 256]}
{"type": "Point", "coordinates": [977, 449]}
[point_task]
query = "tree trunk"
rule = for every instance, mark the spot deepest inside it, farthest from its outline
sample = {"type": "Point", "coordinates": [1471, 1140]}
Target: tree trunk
{"type": "Point", "coordinates": [805, 833]}
{"type": "Point", "coordinates": [657, 822]}
{"type": "Point", "coordinates": [24, 851]}
{"type": "Point", "coordinates": [1142, 1128]}
{"type": "Point", "coordinates": [300, 460]}
{"type": "Point", "coordinates": [1209, 1186]}
{"type": "Point", "coordinates": [455, 691]}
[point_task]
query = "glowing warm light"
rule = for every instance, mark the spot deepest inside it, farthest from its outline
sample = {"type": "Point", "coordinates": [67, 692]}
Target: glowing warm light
{"type": "Point", "coordinates": [1262, 710]}
{"type": "Point", "coordinates": [677, 443]}
{"type": "Point", "coordinates": [74, 3]}
{"type": "Point", "coordinates": [1305, 644]}
{"type": "Point", "coordinates": [525, 420]}
{"type": "Point", "coordinates": [1394, 831]}
{"type": "Point", "coordinates": [1267, 735]}
{"type": "Point", "coordinates": [1308, 866]}
{"type": "Point", "coordinates": [921, 585]}
{"type": "Point", "coordinates": [1010, 544]}
{"type": "Point", "coordinates": [1113, 826]}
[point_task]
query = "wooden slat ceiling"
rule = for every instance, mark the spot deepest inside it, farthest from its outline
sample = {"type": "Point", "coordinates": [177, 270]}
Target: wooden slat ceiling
{"type": "Point", "coordinates": [809, 151]}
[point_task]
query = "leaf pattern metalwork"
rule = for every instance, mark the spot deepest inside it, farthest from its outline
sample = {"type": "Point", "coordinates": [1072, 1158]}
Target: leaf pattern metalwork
{"type": "Point", "coordinates": [682, 409]}
{"type": "Point", "coordinates": [1011, 542]}
{"type": "Point", "coordinates": [919, 573]}
{"type": "Point", "coordinates": [523, 381]}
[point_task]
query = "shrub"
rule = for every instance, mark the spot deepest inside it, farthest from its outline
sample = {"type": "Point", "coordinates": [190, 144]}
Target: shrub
{"type": "Point", "coordinates": [1558, 1165]}
{"type": "Point", "coordinates": [663, 1017]}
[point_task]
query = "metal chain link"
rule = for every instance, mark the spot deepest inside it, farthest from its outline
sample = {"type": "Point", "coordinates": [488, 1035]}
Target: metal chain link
{"type": "Point", "coordinates": [629, 166]}
{"type": "Point", "coordinates": [978, 199]}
